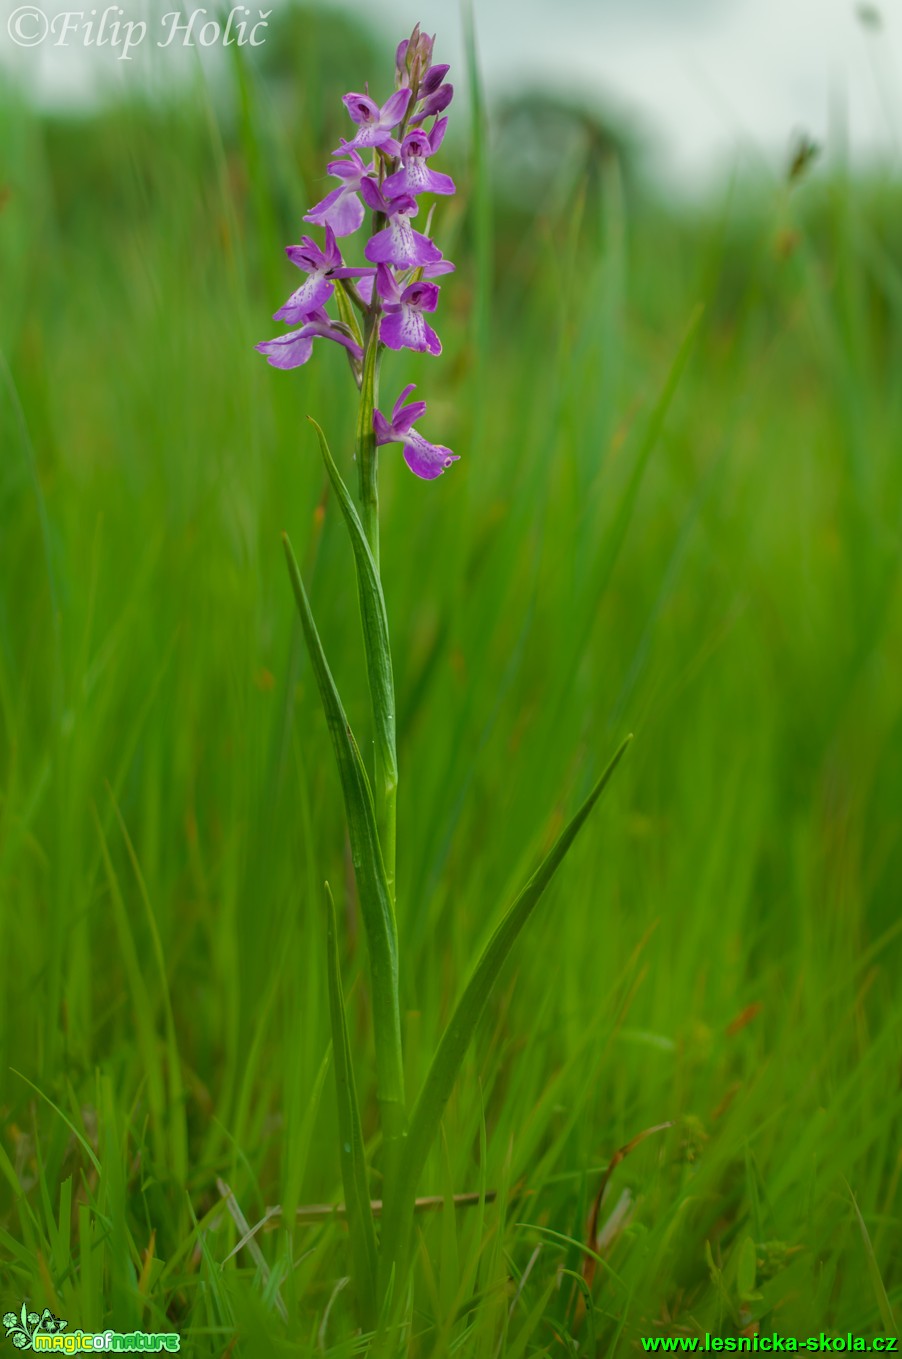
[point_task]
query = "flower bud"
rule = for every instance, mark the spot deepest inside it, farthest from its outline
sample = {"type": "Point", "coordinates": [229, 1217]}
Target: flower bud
{"type": "Point", "coordinates": [432, 79]}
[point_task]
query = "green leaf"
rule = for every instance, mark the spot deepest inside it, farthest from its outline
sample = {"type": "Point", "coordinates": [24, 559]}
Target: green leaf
{"type": "Point", "coordinates": [449, 1056]}
{"type": "Point", "coordinates": [369, 871]}
{"type": "Point", "coordinates": [378, 662]}
{"type": "Point", "coordinates": [880, 1294]}
{"type": "Point", "coordinates": [353, 1156]}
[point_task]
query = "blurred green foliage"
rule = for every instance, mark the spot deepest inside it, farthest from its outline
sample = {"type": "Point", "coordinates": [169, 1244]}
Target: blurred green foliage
{"type": "Point", "coordinates": [720, 576]}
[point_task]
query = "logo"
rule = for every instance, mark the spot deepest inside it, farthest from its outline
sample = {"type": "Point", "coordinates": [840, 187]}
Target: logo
{"type": "Point", "coordinates": [28, 1331]}
{"type": "Point", "coordinates": [22, 1329]}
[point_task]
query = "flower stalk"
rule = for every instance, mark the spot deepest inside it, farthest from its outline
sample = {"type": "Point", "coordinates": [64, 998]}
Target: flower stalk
{"type": "Point", "coordinates": [382, 306]}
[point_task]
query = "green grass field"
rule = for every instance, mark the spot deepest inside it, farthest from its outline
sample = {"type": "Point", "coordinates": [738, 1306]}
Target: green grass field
{"type": "Point", "coordinates": [677, 512]}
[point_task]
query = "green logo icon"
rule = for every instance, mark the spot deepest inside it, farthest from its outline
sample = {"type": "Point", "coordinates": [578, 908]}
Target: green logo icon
{"type": "Point", "coordinates": [22, 1329]}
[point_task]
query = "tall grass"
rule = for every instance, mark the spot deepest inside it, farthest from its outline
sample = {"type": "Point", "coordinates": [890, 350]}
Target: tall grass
{"type": "Point", "coordinates": [681, 522]}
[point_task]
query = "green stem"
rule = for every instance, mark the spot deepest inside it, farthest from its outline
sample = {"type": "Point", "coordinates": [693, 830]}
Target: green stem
{"type": "Point", "coordinates": [385, 784]}
{"type": "Point", "coordinates": [366, 437]}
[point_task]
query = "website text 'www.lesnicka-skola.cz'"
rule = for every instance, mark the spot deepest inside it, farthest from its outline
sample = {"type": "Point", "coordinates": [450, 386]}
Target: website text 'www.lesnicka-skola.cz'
{"type": "Point", "coordinates": [771, 1344]}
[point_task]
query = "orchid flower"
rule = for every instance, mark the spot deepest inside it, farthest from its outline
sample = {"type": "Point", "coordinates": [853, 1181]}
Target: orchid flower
{"type": "Point", "coordinates": [415, 176]}
{"type": "Point", "coordinates": [294, 349]}
{"type": "Point", "coordinates": [375, 124]}
{"type": "Point", "coordinates": [342, 209]}
{"type": "Point", "coordinates": [323, 268]}
{"type": "Point", "coordinates": [424, 459]}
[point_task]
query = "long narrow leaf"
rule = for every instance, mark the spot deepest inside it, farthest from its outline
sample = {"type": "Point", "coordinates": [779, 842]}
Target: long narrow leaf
{"type": "Point", "coordinates": [366, 855]}
{"type": "Point", "coordinates": [378, 661]}
{"type": "Point", "coordinates": [449, 1056]}
{"type": "Point", "coordinates": [353, 1156]}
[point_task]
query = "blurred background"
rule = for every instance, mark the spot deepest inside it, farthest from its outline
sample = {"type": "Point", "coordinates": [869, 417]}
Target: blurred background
{"type": "Point", "coordinates": [671, 363]}
{"type": "Point", "coordinates": [708, 86]}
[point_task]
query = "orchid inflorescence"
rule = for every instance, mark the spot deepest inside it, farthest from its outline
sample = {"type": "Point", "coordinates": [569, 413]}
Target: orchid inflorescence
{"type": "Point", "coordinates": [389, 293]}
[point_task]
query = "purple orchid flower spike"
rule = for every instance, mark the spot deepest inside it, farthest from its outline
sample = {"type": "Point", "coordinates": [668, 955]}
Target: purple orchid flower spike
{"type": "Point", "coordinates": [375, 125]}
{"type": "Point", "coordinates": [342, 209]}
{"type": "Point", "coordinates": [294, 349]}
{"type": "Point", "coordinates": [415, 176]}
{"type": "Point", "coordinates": [398, 243]}
{"type": "Point", "coordinates": [323, 268]}
{"type": "Point", "coordinates": [394, 285]}
{"type": "Point", "coordinates": [424, 459]}
{"type": "Point", "coordinates": [404, 326]}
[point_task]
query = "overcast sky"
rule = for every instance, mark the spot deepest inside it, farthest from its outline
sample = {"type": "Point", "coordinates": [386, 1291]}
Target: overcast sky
{"type": "Point", "coordinates": [705, 81]}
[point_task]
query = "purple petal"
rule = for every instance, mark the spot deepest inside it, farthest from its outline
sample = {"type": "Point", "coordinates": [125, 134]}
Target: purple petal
{"type": "Point", "coordinates": [341, 209]}
{"type": "Point", "coordinates": [393, 109]}
{"type": "Point", "coordinates": [436, 102]}
{"type": "Point", "coordinates": [427, 460]}
{"type": "Point", "coordinates": [421, 296]}
{"type": "Point", "coordinates": [416, 177]}
{"type": "Point", "coordinates": [401, 418]}
{"type": "Point", "coordinates": [352, 271]}
{"type": "Point", "coordinates": [313, 293]}
{"type": "Point", "coordinates": [416, 143]}
{"type": "Point", "coordinates": [407, 329]}
{"type": "Point", "coordinates": [307, 255]}
{"type": "Point", "coordinates": [362, 108]}
{"type": "Point", "coordinates": [402, 423]}
{"type": "Point", "coordinates": [331, 254]}
{"type": "Point", "coordinates": [391, 331]}
{"type": "Point", "coordinates": [372, 196]}
{"type": "Point", "coordinates": [379, 248]}
{"type": "Point", "coordinates": [365, 288]}
{"type": "Point", "coordinates": [436, 182]}
{"type": "Point", "coordinates": [370, 135]}
{"type": "Point", "coordinates": [433, 343]}
{"type": "Point", "coordinates": [401, 246]}
{"type": "Point", "coordinates": [387, 285]}
{"type": "Point", "coordinates": [324, 328]}
{"type": "Point", "coordinates": [317, 213]}
{"type": "Point", "coordinates": [405, 203]}
{"type": "Point", "coordinates": [396, 408]}
{"type": "Point", "coordinates": [353, 168]}
{"type": "Point", "coordinates": [440, 267]}
{"type": "Point", "coordinates": [287, 351]}
{"type": "Point", "coordinates": [383, 429]}
{"type": "Point", "coordinates": [437, 135]}
{"type": "Point", "coordinates": [432, 79]}
{"type": "Point", "coordinates": [396, 184]}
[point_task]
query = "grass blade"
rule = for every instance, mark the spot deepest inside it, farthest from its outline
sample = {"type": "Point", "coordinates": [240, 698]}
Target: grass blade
{"type": "Point", "coordinates": [353, 1155]}
{"type": "Point", "coordinates": [378, 664]}
{"type": "Point", "coordinates": [369, 870]}
{"type": "Point", "coordinates": [449, 1056]}
{"type": "Point", "coordinates": [880, 1294]}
